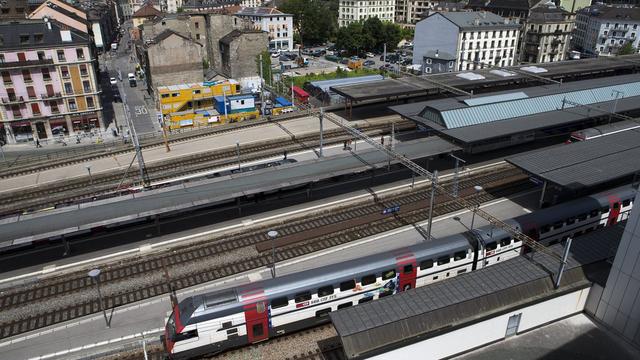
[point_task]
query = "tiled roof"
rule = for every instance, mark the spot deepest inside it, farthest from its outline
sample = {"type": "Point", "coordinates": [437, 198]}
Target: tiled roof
{"type": "Point", "coordinates": [11, 33]}
{"type": "Point", "coordinates": [260, 11]}
{"type": "Point", "coordinates": [147, 10]}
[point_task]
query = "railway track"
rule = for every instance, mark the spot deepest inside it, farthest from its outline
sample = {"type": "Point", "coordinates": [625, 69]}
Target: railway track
{"type": "Point", "coordinates": [47, 163]}
{"type": "Point", "coordinates": [107, 184]}
{"type": "Point", "coordinates": [231, 254]}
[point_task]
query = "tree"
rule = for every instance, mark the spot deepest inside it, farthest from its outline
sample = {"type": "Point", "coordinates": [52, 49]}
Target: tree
{"type": "Point", "coordinates": [369, 35]}
{"type": "Point", "coordinates": [313, 20]}
{"type": "Point", "coordinates": [266, 66]}
{"type": "Point", "coordinates": [627, 49]}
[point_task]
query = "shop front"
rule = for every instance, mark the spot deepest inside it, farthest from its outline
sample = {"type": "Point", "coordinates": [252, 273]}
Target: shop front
{"type": "Point", "coordinates": [22, 131]}
{"type": "Point", "coordinates": [85, 122]}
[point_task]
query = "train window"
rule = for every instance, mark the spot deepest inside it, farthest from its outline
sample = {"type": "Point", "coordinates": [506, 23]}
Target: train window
{"type": "Point", "coordinates": [303, 296]}
{"type": "Point", "coordinates": [435, 278]}
{"type": "Point", "coordinates": [368, 279]}
{"type": "Point", "coordinates": [604, 209]}
{"type": "Point", "coordinates": [347, 285]}
{"type": "Point", "coordinates": [460, 255]}
{"type": "Point", "coordinates": [323, 313]}
{"type": "Point", "coordinates": [557, 225]}
{"type": "Point", "coordinates": [571, 221]}
{"type": "Point", "coordinates": [186, 335]}
{"type": "Point", "coordinates": [444, 260]}
{"type": "Point", "coordinates": [232, 331]}
{"type": "Point", "coordinates": [425, 264]}
{"type": "Point", "coordinates": [582, 217]}
{"type": "Point", "coordinates": [226, 325]}
{"type": "Point", "coordinates": [365, 299]}
{"type": "Point", "coordinates": [616, 206]}
{"type": "Point", "coordinates": [491, 246]}
{"type": "Point", "coordinates": [626, 203]}
{"type": "Point", "coordinates": [545, 229]}
{"type": "Point", "coordinates": [325, 291]}
{"type": "Point", "coordinates": [258, 330]}
{"type": "Point", "coordinates": [279, 302]}
{"type": "Point", "coordinates": [462, 271]}
{"type": "Point", "coordinates": [345, 305]}
{"type": "Point", "coordinates": [389, 274]}
{"type": "Point", "coordinates": [408, 269]}
{"type": "Point", "coordinates": [505, 241]}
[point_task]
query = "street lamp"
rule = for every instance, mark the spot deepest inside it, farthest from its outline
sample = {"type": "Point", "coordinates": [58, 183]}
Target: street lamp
{"type": "Point", "coordinates": [272, 235]}
{"type": "Point", "coordinates": [95, 275]}
{"type": "Point", "coordinates": [89, 171]}
{"type": "Point", "coordinates": [477, 188]}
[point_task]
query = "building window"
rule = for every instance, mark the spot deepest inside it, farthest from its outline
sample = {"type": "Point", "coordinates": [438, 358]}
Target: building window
{"type": "Point", "coordinates": [38, 38]}
{"type": "Point", "coordinates": [65, 71]}
{"type": "Point", "coordinates": [45, 74]}
{"type": "Point", "coordinates": [68, 89]}
{"type": "Point", "coordinates": [86, 85]}
{"type": "Point", "coordinates": [61, 55]}
{"type": "Point", "coordinates": [6, 77]}
{"type": "Point", "coordinates": [80, 54]}
{"type": "Point", "coordinates": [72, 105]}
{"type": "Point", "coordinates": [16, 111]}
{"type": "Point", "coordinates": [54, 106]}
{"type": "Point", "coordinates": [24, 39]}
{"type": "Point", "coordinates": [31, 92]}
{"type": "Point", "coordinates": [35, 109]}
{"type": "Point", "coordinates": [1, 58]}
{"type": "Point", "coordinates": [26, 74]}
{"type": "Point", "coordinates": [83, 70]}
{"type": "Point", "coordinates": [41, 55]}
{"type": "Point", "coordinates": [11, 94]}
{"type": "Point", "coordinates": [197, 25]}
{"type": "Point", "coordinates": [90, 103]}
{"type": "Point", "coordinates": [197, 36]}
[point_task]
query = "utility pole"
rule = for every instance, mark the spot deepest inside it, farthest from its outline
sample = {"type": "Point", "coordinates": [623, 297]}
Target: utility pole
{"type": "Point", "coordinates": [615, 103]}
{"type": "Point", "coordinates": [262, 82]}
{"type": "Point", "coordinates": [456, 174]}
{"type": "Point", "coordinates": [292, 94]}
{"type": "Point", "coordinates": [164, 133]}
{"type": "Point", "coordinates": [321, 138]}
{"type": "Point", "coordinates": [563, 263]}
{"type": "Point", "coordinates": [136, 142]}
{"type": "Point", "coordinates": [434, 184]}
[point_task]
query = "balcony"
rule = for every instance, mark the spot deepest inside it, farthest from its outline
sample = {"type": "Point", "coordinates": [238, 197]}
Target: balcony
{"type": "Point", "coordinates": [13, 100]}
{"type": "Point", "coordinates": [25, 64]}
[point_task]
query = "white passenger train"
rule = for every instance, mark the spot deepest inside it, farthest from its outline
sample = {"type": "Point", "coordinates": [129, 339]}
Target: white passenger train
{"type": "Point", "coordinates": [251, 313]}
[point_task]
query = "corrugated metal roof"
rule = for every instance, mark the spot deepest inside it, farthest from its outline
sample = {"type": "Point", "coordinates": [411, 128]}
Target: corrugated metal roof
{"type": "Point", "coordinates": [495, 98]}
{"type": "Point", "coordinates": [324, 85]}
{"type": "Point", "coordinates": [391, 321]}
{"type": "Point", "coordinates": [587, 163]}
{"type": "Point", "coordinates": [474, 115]}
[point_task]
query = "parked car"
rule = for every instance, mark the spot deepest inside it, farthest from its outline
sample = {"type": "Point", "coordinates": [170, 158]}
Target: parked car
{"type": "Point", "coordinates": [113, 81]}
{"type": "Point", "coordinates": [369, 63]}
{"type": "Point", "coordinates": [332, 58]}
{"type": "Point", "coordinates": [116, 96]}
{"type": "Point", "coordinates": [386, 67]}
{"type": "Point", "coordinates": [344, 61]}
{"type": "Point", "coordinates": [132, 80]}
{"type": "Point", "coordinates": [370, 55]}
{"type": "Point", "coordinates": [275, 54]}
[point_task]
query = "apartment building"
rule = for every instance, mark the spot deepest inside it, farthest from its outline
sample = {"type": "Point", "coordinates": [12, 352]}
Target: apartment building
{"type": "Point", "coordinates": [546, 35]}
{"type": "Point", "coordinates": [277, 24]}
{"type": "Point", "coordinates": [475, 39]}
{"type": "Point", "coordinates": [411, 11]}
{"type": "Point", "coordinates": [49, 84]}
{"type": "Point", "coordinates": [603, 30]}
{"type": "Point", "coordinates": [350, 11]}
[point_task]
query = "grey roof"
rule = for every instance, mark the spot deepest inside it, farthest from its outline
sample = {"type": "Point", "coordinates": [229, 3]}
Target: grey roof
{"type": "Point", "coordinates": [437, 54]}
{"type": "Point", "coordinates": [503, 4]}
{"type": "Point", "coordinates": [261, 11]}
{"type": "Point", "coordinates": [475, 20]}
{"type": "Point", "coordinates": [586, 163]}
{"type": "Point", "coordinates": [415, 86]}
{"type": "Point", "coordinates": [416, 314]}
{"type": "Point", "coordinates": [536, 121]}
{"type": "Point", "coordinates": [76, 218]}
{"type": "Point", "coordinates": [605, 12]}
{"type": "Point", "coordinates": [324, 85]}
{"type": "Point", "coordinates": [11, 32]}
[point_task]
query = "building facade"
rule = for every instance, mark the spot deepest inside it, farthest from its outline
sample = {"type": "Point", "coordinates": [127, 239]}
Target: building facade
{"type": "Point", "coordinates": [350, 11]}
{"type": "Point", "coordinates": [277, 24]}
{"type": "Point", "coordinates": [239, 51]}
{"type": "Point", "coordinates": [546, 36]}
{"type": "Point", "coordinates": [17, 9]}
{"type": "Point", "coordinates": [411, 11]}
{"type": "Point", "coordinates": [147, 12]}
{"type": "Point", "coordinates": [50, 88]}
{"type": "Point", "coordinates": [603, 30]}
{"type": "Point", "coordinates": [476, 39]}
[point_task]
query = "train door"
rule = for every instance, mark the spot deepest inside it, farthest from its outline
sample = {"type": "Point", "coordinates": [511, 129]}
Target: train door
{"type": "Point", "coordinates": [256, 316]}
{"type": "Point", "coordinates": [407, 270]}
{"type": "Point", "coordinates": [614, 212]}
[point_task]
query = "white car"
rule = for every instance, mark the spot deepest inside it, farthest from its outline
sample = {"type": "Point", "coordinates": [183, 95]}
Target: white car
{"type": "Point", "coordinates": [113, 81]}
{"type": "Point", "coordinates": [370, 55]}
{"type": "Point", "coordinates": [275, 54]}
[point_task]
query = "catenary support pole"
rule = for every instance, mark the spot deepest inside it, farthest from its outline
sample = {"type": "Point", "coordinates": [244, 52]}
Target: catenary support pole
{"type": "Point", "coordinates": [434, 183]}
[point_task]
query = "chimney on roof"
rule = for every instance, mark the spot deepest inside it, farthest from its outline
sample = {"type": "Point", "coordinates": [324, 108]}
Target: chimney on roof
{"type": "Point", "coordinates": [437, 52]}
{"type": "Point", "coordinates": [46, 19]}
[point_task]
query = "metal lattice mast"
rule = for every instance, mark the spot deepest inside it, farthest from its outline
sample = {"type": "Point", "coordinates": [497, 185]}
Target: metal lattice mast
{"type": "Point", "coordinates": [430, 176]}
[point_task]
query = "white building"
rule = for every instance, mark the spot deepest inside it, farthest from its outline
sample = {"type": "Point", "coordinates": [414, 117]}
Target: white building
{"type": "Point", "coordinates": [251, 3]}
{"type": "Point", "coordinates": [355, 10]}
{"type": "Point", "coordinates": [171, 6]}
{"type": "Point", "coordinates": [277, 24]}
{"type": "Point", "coordinates": [476, 39]}
{"type": "Point", "coordinates": [603, 30]}
{"type": "Point", "coordinates": [411, 11]}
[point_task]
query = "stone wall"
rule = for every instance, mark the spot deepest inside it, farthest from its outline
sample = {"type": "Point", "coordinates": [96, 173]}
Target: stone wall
{"type": "Point", "coordinates": [175, 60]}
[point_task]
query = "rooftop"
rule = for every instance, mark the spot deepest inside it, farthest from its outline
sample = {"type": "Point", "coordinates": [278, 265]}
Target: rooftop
{"type": "Point", "coordinates": [587, 163]}
{"type": "Point", "coordinates": [260, 11]}
{"type": "Point", "coordinates": [469, 20]}
{"type": "Point", "coordinates": [26, 34]}
{"type": "Point", "coordinates": [147, 10]}
{"type": "Point", "coordinates": [324, 85]}
{"type": "Point", "coordinates": [612, 12]}
{"type": "Point", "coordinates": [503, 4]}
